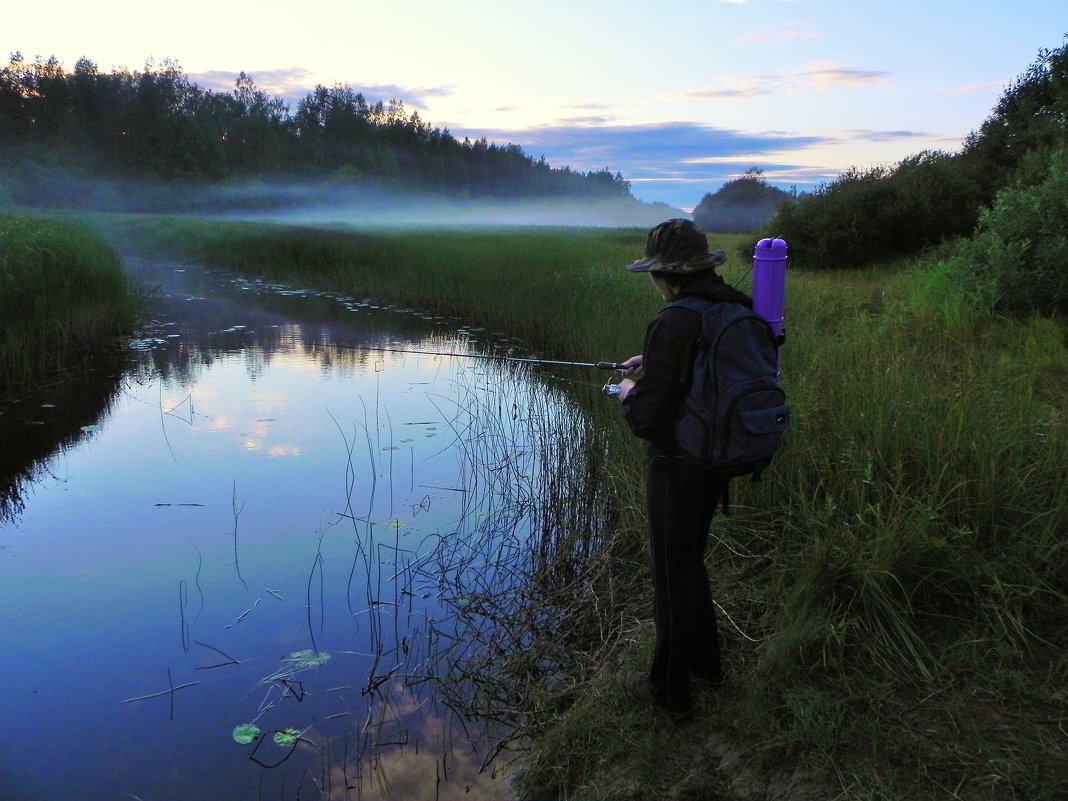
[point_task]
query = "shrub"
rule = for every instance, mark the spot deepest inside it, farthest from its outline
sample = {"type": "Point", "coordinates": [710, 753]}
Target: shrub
{"type": "Point", "coordinates": [1026, 125]}
{"type": "Point", "coordinates": [739, 206]}
{"type": "Point", "coordinates": [1016, 260]}
{"type": "Point", "coordinates": [881, 213]}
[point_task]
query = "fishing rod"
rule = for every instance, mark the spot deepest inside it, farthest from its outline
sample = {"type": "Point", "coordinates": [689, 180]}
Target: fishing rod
{"type": "Point", "coordinates": [516, 359]}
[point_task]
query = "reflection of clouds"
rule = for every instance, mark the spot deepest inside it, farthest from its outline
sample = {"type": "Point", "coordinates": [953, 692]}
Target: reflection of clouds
{"type": "Point", "coordinates": [220, 423]}
{"type": "Point", "coordinates": [284, 450]}
{"type": "Point", "coordinates": [269, 402]}
{"type": "Point", "coordinates": [435, 761]}
{"type": "Point", "coordinates": [259, 428]}
{"type": "Point", "coordinates": [412, 775]}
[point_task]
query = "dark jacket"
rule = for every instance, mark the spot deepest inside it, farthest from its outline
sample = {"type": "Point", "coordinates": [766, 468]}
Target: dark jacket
{"type": "Point", "coordinates": [667, 359]}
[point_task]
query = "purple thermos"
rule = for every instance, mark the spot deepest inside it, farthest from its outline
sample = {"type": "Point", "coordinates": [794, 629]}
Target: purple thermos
{"type": "Point", "coordinates": [769, 284]}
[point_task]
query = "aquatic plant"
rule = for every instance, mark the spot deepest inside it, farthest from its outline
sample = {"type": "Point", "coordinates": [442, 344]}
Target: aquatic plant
{"type": "Point", "coordinates": [63, 296]}
{"type": "Point", "coordinates": [304, 660]}
{"type": "Point", "coordinates": [287, 738]}
{"type": "Point", "coordinates": [246, 733]}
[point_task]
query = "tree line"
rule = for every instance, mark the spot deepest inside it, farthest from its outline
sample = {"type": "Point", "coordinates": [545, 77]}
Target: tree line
{"type": "Point", "coordinates": [157, 124]}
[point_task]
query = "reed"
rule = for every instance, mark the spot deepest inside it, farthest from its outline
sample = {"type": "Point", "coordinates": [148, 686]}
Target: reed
{"type": "Point", "coordinates": [63, 297]}
{"type": "Point", "coordinates": [900, 571]}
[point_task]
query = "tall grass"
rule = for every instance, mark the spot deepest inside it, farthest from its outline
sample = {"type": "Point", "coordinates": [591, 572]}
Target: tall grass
{"type": "Point", "coordinates": [63, 296]}
{"type": "Point", "coordinates": [559, 288]}
{"type": "Point", "coordinates": [899, 572]}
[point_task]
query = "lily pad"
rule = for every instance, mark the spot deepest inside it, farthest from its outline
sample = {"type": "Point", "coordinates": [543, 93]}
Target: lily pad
{"type": "Point", "coordinates": [287, 738]}
{"type": "Point", "coordinates": [246, 733]}
{"type": "Point", "coordinates": [307, 659]}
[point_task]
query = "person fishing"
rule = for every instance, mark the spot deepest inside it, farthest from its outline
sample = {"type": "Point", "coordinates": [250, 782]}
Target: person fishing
{"type": "Point", "coordinates": [680, 495]}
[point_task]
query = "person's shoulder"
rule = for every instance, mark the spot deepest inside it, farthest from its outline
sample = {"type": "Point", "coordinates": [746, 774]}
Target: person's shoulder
{"type": "Point", "coordinates": [682, 309]}
{"type": "Point", "coordinates": [680, 318]}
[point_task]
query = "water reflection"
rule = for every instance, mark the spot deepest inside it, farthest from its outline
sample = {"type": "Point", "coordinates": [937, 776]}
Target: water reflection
{"type": "Point", "coordinates": [278, 524]}
{"type": "Point", "coordinates": [36, 424]}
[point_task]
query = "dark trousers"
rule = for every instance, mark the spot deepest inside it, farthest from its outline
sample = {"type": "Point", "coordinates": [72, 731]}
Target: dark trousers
{"type": "Point", "coordinates": [680, 504]}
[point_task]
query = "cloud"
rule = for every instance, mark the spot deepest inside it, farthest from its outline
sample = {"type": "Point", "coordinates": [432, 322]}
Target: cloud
{"type": "Point", "coordinates": [733, 87]}
{"type": "Point", "coordinates": [674, 162]}
{"type": "Point", "coordinates": [678, 162]}
{"type": "Point", "coordinates": [278, 82]}
{"type": "Point", "coordinates": [778, 36]}
{"type": "Point", "coordinates": [970, 88]}
{"type": "Point", "coordinates": [411, 95]}
{"type": "Point", "coordinates": [825, 75]}
{"type": "Point", "coordinates": [817, 76]}
{"type": "Point", "coordinates": [883, 136]}
{"type": "Point", "coordinates": [590, 147]}
{"type": "Point", "coordinates": [590, 106]}
{"type": "Point", "coordinates": [590, 120]}
{"type": "Point", "coordinates": [292, 84]}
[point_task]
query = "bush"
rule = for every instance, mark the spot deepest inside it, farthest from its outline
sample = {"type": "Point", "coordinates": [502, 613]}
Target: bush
{"type": "Point", "coordinates": [881, 213]}
{"type": "Point", "coordinates": [739, 206]}
{"type": "Point", "coordinates": [1016, 261]}
{"type": "Point", "coordinates": [1026, 125]}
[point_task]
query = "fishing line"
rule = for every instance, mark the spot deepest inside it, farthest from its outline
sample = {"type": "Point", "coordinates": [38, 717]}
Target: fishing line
{"type": "Point", "coordinates": [516, 359]}
{"type": "Point", "coordinates": [604, 365]}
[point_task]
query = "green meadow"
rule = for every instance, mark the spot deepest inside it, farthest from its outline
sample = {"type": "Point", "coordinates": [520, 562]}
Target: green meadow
{"type": "Point", "coordinates": [892, 594]}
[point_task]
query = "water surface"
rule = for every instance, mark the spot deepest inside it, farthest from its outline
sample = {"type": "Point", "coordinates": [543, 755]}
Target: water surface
{"type": "Point", "coordinates": [276, 519]}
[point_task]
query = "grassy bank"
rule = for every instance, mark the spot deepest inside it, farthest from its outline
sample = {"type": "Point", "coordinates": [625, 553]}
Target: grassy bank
{"type": "Point", "coordinates": [63, 297]}
{"type": "Point", "coordinates": [893, 591]}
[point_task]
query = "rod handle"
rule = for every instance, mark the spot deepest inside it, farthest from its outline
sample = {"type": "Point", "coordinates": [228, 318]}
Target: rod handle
{"type": "Point", "coordinates": [609, 366]}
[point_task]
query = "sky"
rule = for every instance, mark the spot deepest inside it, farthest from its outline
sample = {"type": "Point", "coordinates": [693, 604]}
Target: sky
{"type": "Point", "coordinates": [678, 97]}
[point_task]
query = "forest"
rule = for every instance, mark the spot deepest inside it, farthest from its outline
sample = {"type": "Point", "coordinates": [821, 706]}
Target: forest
{"type": "Point", "coordinates": [157, 125]}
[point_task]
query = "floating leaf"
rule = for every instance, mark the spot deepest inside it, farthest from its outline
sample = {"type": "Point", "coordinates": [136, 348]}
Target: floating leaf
{"type": "Point", "coordinates": [246, 733]}
{"type": "Point", "coordinates": [287, 738]}
{"type": "Point", "coordinates": [307, 659]}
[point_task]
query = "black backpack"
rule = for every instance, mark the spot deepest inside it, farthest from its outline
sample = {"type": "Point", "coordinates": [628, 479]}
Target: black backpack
{"type": "Point", "coordinates": [734, 414]}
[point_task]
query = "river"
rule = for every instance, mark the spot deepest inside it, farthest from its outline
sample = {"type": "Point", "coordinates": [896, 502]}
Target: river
{"type": "Point", "coordinates": [257, 565]}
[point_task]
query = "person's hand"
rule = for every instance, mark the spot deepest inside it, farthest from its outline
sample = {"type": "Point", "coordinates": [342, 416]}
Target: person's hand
{"type": "Point", "coordinates": [632, 367]}
{"type": "Point", "coordinates": [625, 388]}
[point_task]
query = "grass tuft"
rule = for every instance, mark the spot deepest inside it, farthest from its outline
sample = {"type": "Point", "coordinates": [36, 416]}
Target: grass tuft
{"type": "Point", "coordinates": [63, 296]}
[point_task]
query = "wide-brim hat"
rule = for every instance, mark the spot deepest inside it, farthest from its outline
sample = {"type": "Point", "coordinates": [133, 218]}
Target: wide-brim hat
{"type": "Point", "coordinates": [678, 247]}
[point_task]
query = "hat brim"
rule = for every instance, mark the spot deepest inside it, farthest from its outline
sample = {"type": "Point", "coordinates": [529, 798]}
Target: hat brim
{"type": "Point", "coordinates": [710, 260]}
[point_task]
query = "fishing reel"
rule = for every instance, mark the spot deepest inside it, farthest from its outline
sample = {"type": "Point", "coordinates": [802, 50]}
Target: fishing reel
{"type": "Point", "coordinates": [612, 388]}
